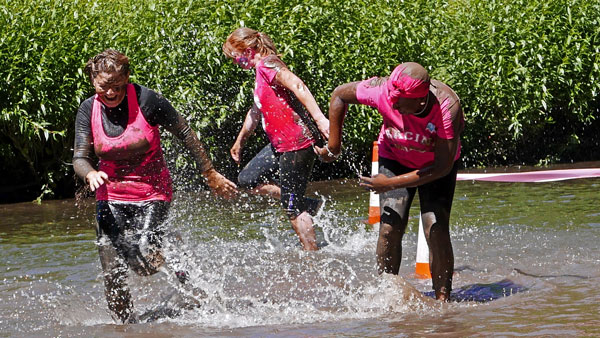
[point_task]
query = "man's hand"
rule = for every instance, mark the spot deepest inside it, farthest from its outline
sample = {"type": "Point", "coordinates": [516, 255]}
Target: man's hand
{"type": "Point", "coordinates": [96, 178]}
{"type": "Point", "coordinates": [378, 183]}
{"type": "Point", "coordinates": [220, 185]}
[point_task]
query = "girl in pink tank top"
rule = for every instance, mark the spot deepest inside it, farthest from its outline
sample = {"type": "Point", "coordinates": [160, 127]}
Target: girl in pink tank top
{"type": "Point", "coordinates": [281, 100]}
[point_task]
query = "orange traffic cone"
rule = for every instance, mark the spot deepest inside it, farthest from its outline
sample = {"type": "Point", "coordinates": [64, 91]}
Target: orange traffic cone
{"type": "Point", "coordinates": [422, 265]}
{"type": "Point", "coordinates": [374, 211]}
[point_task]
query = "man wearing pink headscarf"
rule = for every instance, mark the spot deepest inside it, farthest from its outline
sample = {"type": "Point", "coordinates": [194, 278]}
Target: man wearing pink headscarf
{"type": "Point", "coordinates": [419, 148]}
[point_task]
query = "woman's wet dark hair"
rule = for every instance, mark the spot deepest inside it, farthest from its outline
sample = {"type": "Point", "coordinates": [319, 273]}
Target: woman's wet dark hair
{"type": "Point", "coordinates": [109, 61]}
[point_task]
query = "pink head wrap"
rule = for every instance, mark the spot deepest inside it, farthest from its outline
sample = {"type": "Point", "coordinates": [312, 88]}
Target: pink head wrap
{"type": "Point", "coordinates": [401, 84]}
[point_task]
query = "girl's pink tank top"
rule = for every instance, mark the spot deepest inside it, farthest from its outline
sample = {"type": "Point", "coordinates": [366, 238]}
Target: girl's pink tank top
{"type": "Point", "coordinates": [134, 160]}
{"type": "Point", "coordinates": [283, 126]}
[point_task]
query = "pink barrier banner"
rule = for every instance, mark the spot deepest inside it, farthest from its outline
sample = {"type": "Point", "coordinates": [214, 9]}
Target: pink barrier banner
{"type": "Point", "coordinates": [532, 176]}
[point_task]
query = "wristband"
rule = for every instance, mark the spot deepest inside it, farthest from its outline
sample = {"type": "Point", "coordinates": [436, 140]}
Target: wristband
{"type": "Point", "coordinates": [332, 154]}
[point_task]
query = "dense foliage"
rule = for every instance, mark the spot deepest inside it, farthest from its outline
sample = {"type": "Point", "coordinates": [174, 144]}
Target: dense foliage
{"type": "Point", "coordinates": [527, 72]}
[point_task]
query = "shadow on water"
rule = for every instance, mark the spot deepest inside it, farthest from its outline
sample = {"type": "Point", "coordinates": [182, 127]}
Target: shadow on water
{"type": "Point", "coordinates": [483, 292]}
{"type": "Point", "coordinates": [487, 292]}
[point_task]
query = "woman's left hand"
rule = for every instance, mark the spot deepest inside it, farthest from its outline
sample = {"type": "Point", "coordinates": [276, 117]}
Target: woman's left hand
{"type": "Point", "coordinates": [220, 185]}
{"type": "Point", "coordinates": [378, 183]}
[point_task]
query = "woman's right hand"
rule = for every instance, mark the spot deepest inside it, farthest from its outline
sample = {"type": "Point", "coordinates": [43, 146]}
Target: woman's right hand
{"type": "Point", "coordinates": [96, 178]}
{"type": "Point", "coordinates": [323, 125]}
{"type": "Point", "coordinates": [236, 153]}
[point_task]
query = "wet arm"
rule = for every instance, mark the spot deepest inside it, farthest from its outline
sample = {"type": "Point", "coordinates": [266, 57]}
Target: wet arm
{"type": "Point", "coordinates": [182, 130]}
{"type": "Point", "coordinates": [341, 97]}
{"type": "Point", "coordinates": [158, 110]}
{"type": "Point", "coordinates": [297, 86]}
{"type": "Point", "coordinates": [83, 147]}
{"type": "Point", "coordinates": [164, 114]}
{"type": "Point", "coordinates": [444, 154]}
{"type": "Point", "coordinates": [445, 149]}
{"type": "Point", "coordinates": [82, 150]}
{"type": "Point", "coordinates": [250, 123]}
{"type": "Point", "coordinates": [82, 163]}
{"type": "Point", "coordinates": [442, 165]}
{"type": "Point", "coordinates": [217, 182]}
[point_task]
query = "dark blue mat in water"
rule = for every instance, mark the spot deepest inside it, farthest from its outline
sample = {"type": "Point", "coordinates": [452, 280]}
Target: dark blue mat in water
{"type": "Point", "coordinates": [482, 293]}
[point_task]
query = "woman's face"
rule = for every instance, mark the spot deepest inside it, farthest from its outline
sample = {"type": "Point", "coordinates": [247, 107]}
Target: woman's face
{"type": "Point", "coordinates": [245, 59]}
{"type": "Point", "coordinates": [111, 87]}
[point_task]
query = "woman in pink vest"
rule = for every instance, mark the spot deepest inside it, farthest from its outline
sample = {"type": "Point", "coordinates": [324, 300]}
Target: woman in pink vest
{"type": "Point", "coordinates": [419, 150]}
{"type": "Point", "coordinates": [119, 125]}
{"type": "Point", "coordinates": [281, 101]}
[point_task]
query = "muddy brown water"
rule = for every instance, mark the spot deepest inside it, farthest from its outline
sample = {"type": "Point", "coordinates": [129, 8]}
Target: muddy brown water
{"type": "Point", "coordinates": [526, 254]}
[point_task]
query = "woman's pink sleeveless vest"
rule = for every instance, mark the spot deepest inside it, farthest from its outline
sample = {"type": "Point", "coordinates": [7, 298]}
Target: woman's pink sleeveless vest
{"type": "Point", "coordinates": [133, 161]}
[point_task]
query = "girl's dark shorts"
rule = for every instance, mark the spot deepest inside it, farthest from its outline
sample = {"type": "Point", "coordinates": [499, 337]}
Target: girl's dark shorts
{"type": "Point", "coordinates": [290, 170]}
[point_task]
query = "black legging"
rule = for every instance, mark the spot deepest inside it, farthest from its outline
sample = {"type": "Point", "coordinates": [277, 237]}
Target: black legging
{"type": "Point", "coordinates": [290, 170]}
{"type": "Point", "coordinates": [129, 235]}
{"type": "Point", "coordinates": [436, 202]}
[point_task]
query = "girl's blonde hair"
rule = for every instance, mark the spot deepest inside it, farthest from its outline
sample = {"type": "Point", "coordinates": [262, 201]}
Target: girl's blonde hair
{"type": "Point", "coordinates": [244, 38]}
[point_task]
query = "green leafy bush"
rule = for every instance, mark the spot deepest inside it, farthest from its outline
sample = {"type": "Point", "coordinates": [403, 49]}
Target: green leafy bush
{"type": "Point", "coordinates": [527, 72]}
